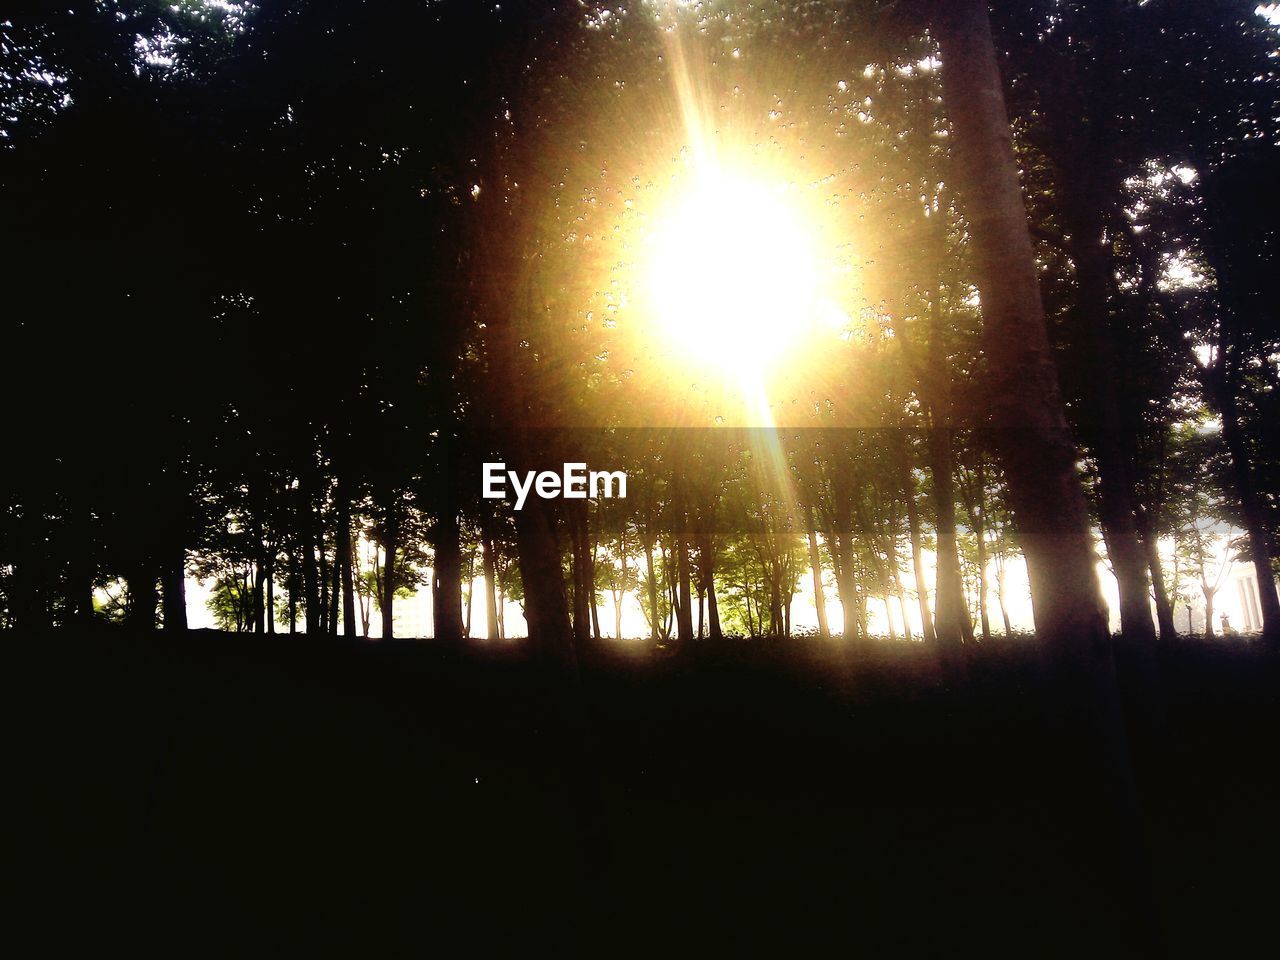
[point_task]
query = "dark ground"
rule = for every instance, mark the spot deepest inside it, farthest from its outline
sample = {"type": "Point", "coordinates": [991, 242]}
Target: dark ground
{"type": "Point", "coordinates": [236, 793]}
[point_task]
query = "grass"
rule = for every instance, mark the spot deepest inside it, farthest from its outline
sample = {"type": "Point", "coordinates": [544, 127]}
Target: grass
{"type": "Point", "coordinates": [222, 790]}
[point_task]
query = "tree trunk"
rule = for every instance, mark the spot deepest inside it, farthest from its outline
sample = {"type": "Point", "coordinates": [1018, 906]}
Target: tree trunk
{"type": "Point", "coordinates": [502, 616]}
{"type": "Point", "coordinates": [707, 584]}
{"type": "Point", "coordinates": [293, 591]}
{"type": "Point", "coordinates": [846, 582]}
{"type": "Point", "coordinates": [345, 566]}
{"type": "Point", "coordinates": [81, 575]}
{"type": "Point", "coordinates": [490, 591]}
{"type": "Point", "coordinates": [310, 581]}
{"type": "Point", "coordinates": [593, 547]}
{"type": "Point", "coordinates": [575, 522]}
{"type": "Point", "coordinates": [684, 600]}
{"type": "Point", "coordinates": [980, 531]}
{"type": "Point", "coordinates": [713, 612]}
{"type": "Point", "coordinates": [1044, 490]}
{"type": "Point", "coordinates": [546, 606]}
{"type": "Point", "coordinates": [815, 564]}
{"type": "Point", "coordinates": [1025, 400]}
{"type": "Point", "coordinates": [684, 612]}
{"type": "Point", "coordinates": [446, 573]}
{"type": "Point", "coordinates": [1004, 612]}
{"type": "Point", "coordinates": [1151, 546]}
{"type": "Point", "coordinates": [143, 598]}
{"type": "Point", "coordinates": [335, 586]}
{"type": "Point", "coordinates": [390, 544]}
{"type": "Point", "coordinates": [917, 565]}
{"type": "Point", "coordinates": [258, 610]}
{"type": "Point", "coordinates": [951, 619]}
{"type": "Point", "coordinates": [950, 615]}
{"type": "Point", "coordinates": [468, 604]}
{"type": "Point", "coordinates": [1254, 514]}
{"type": "Point", "coordinates": [323, 557]}
{"type": "Point", "coordinates": [175, 592]}
{"type": "Point", "coordinates": [1104, 424]}
{"type": "Point", "coordinates": [271, 593]}
{"type": "Point", "coordinates": [651, 581]}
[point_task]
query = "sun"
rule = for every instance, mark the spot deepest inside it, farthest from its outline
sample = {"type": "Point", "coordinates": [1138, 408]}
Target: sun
{"type": "Point", "coordinates": [733, 274]}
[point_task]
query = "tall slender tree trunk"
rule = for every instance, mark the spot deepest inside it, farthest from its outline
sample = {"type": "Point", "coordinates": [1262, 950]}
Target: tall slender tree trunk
{"type": "Point", "coordinates": [469, 603]}
{"type": "Point", "coordinates": [980, 531]}
{"type": "Point", "coordinates": [651, 582]}
{"type": "Point", "coordinates": [143, 598]}
{"type": "Point", "coordinates": [682, 593]}
{"type": "Point", "coordinates": [271, 593]}
{"type": "Point", "coordinates": [447, 576]}
{"type": "Point", "coordinates": [390, 545]}
{"type": "Point", "coordinates": [777, 626]}
{"type": "Point", "coordinates": [1025, 400]}
{"type": "Point", "coordinates": [345, 565]}
{"type": "Point", "coordinates": [490, 591]}
{"type": "Point", "coordinates": [80, 601]}
{"type": "Point", "coordinates": [1029, 426]}
{"type": "Point", "coordinates": [575, 523]}
{"type": "Point", "coordinates": [335, 587]}
{"type": "Point", "coordinates": [293, 590]}
{"type": "Point", "coordinates": [707, 583]}
{"type": "Point", "coordinates": [81, 574]}
{"type": "Point", "coordinates": [1254, 514]}
{"type": "Point", "coordinates": [950, 616]}
{"type": "Point", "coordinates": [815, 564]}
{"type": "Point", "coordinates": [1147, 527]}
{"type": "Point", "coordinates": [846, 582]}
{"type": "Point", "coordinates": [546, 606]}
{"type": "Point", "coordinates": [917, 564]}
{"type": "Point", "coordinates": [1105, 424]}
{"type": "Point", "coordinates": [950, 619]}
{"type": "Point", "coordinates": [258, 611]}
{"type": "Point", "coordinates": [174, 585]}
{"type": "Point", "coordinates": [1004, 611]}
{"type": "Point", "coordinates": [684, 596]}
{"type": "Point", "coordinates": [325, 580]}
{"type": "Point", "coordinates": [684, 611]}
{"type": "Point", "coordinates": [310, 578]}
{"type": "Point", "coordinates": [596, 633]}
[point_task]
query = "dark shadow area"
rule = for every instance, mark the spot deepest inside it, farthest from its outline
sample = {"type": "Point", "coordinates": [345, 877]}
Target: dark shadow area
{"type": "Point", "coordinates": [215, 792]}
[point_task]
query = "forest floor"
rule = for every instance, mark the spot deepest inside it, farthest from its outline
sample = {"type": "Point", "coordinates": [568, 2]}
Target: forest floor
{"type": "Point", "coordinates": [226, 792]}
